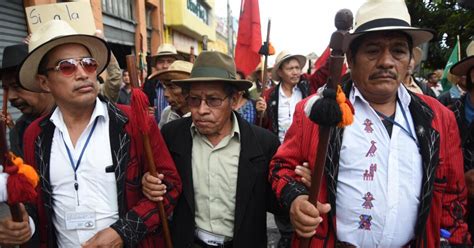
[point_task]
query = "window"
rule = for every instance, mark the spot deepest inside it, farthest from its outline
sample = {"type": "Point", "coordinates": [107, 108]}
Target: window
{"type": "Point", "coordinates": [199, 9]}
{"type": "Point", "coordinates": [118, 8]}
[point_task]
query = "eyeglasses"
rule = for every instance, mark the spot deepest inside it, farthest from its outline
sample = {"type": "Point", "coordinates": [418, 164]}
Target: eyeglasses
{"type": "Point", "coordinates": [68, 66]}
{"type": "Point", "coordinates": [213, 102]}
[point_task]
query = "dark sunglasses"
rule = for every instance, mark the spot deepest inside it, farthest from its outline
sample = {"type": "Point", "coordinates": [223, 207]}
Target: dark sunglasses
{"type": "Point", "coordinates": [68, 66]}
{"type": "Point", "coordinates": [213, 102]}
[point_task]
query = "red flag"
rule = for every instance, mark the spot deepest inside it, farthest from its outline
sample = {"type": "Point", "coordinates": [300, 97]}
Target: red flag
{"type": "Point", "coordinates": [249, 37]}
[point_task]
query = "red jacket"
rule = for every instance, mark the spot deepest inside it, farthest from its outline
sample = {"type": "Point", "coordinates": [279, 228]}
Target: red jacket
{"type": "Point", "coordinates": [443, 201]}
{"type": "Point", "coordinates": [138, 223]}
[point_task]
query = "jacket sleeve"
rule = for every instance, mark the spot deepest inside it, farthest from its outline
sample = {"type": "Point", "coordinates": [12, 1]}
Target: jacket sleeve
{"type": "Point", "coordinates": [318, 78]}
{"type": "Point", "coordinates": [143, 218]}
{"type": "Point", "coordinates": [285, 183]}
{"type": "Point", "coordinates": [454, 200]}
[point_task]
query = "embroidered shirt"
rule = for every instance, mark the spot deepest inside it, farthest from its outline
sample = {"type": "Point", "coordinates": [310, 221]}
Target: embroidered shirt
{"type": "Point", "coordinates": [215, 170]}
{"type": "Point", "coordinates": [469, 109]}
{"type": "Point", "coordinates": [379, 182]}
{"type": "Point", "coordinates": [97, 189]}
{"type": "Point", "coordinates": [286, 109]}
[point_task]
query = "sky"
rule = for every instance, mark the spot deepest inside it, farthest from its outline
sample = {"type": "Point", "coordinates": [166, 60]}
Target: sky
{"type": "Point", "coordinates": [299, 26]}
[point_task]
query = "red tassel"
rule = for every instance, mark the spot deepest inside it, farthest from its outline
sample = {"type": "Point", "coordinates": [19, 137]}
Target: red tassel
{"type": "Point", "coordinates": [20, 189]}
{"type": "Point", "coordinates": [139, 104]}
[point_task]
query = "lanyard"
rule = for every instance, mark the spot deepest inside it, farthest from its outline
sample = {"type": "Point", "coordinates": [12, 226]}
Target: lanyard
{"type": "Point", "coordinates": [392, 120]}
{"type": "Point", "coordinates": [71, 160]}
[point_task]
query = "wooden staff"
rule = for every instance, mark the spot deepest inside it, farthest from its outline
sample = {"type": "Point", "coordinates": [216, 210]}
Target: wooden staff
{"type": "Point", "coordinates": [143, 112]}
{"type": "Point", "coordinates": [265, 69]}
{"type": "Point", "coordinates": [343, 22]}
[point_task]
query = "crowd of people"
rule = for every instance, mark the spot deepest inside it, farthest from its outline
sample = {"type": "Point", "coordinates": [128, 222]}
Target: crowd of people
{"type": "Point", "coordinates": [229, 148]}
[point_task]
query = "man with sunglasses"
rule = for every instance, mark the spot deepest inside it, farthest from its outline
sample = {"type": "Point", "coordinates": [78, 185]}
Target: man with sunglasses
{"type": "Point", "coordinates": [222, 160]}
{"type": "Point", "coordinates": [88, 152]}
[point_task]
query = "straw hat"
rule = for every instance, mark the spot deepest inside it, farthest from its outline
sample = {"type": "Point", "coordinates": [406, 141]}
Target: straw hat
{"type": "Point", "coordinates": [177, 70]}
{"type": "Point", "coordinates": [167, 49]}
{"type": "Point", "coordinates": [462, 67]}
{"type": "Point", "coordinates": [214, 67]}
{"type": "Point", "coordinates": [13, 56]}
{"type": "Point", "coordinates": [282, 57]}
{"type": "Point", "coordinates": [52, 34]}
{"type": "Point", "coordinates": [386, 15]}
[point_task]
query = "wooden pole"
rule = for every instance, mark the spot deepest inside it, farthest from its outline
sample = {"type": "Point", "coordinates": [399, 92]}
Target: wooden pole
{"type": "Point", "coordinates": [343, 21]}
{"type": "Point", "coordinates": [132, 70]}
{"type": "Point", "coordinates": [264, 70]}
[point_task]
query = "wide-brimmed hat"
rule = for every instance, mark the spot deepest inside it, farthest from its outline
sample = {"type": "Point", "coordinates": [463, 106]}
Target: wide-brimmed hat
{"type": "Point", "coordinates": [12, 57]}
{"type": "Point", "coordinates": [167, 49]}
{"type": "Point", "coordinates": [50, 35]}
{"type": "Point", "coordinates": [179, 67]}
{"type": "Point", "coordinates": [461, 68]}
{"type": "Point", "coordinates": [386, 15]}
{"type": "Point", "coordinates": [284, 56]}
{"type": "Point", "coordinates": [214, 67]}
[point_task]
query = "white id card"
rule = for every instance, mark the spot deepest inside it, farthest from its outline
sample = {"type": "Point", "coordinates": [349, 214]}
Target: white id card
{"type": "Point", "coordinates": [80, 219]}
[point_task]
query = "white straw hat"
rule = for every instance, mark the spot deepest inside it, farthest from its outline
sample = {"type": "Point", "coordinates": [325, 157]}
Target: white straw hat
{"type": "Point", "coordinates": [167, 49]}
{"type": "Point", "coordinates": [284, 56]}
{"type": "Point", "coordinates": [52, 34]}
{"type": "Point", "coordinates": [386, 15]}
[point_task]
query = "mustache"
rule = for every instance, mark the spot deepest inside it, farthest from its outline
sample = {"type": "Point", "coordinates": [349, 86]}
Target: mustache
{"type": "Point", "coordinates": [85, 84]}
{"type": "Point", "coordinates": [383, 73]}
{"type": "Point", "coordinates": [18, 103]}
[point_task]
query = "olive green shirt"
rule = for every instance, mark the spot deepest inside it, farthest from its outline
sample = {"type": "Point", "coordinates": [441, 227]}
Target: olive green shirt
{"type": "Point", "coordinates": [215, 170]}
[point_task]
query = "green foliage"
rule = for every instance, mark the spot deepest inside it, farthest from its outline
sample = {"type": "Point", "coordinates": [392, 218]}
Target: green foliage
{"type": "Point", "coordinates": [445, 17]}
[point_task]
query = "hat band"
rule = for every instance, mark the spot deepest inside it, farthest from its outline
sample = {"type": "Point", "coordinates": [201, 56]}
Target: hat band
{"type": "Point", "coordinates": [216, 72]}
{"type": "Point", "coordinates": [384, 22]}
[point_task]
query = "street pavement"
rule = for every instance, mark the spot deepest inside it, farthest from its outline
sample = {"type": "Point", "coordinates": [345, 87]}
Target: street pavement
{"type": "Point", "coordinates": [272, 232]}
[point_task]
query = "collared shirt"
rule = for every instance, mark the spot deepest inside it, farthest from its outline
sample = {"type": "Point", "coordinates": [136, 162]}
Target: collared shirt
{"type": "Point", "coordinates": [286, 109]}
{"type": "Point", "coordinates": [169, 115]}
{"type": "Point", "coordinates": [215, 170]}
{"type": "Point", "coordinates": [379, 181]}
{"type": "Point", "coordinates": [97, 189]}
{"type": "Point", "coordinates": [160, 101]}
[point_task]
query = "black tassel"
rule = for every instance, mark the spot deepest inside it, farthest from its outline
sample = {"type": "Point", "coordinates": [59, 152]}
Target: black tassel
{"type": "Point", "coordinates": [325, 111]}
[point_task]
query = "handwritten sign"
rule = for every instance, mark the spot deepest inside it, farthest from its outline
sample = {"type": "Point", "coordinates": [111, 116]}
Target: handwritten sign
{"type": "Point", "coordinates": [77, 14]}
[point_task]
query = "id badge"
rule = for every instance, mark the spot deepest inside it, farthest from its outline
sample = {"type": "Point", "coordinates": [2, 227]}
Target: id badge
{"type": "Point", "coordinates": [80, 219]}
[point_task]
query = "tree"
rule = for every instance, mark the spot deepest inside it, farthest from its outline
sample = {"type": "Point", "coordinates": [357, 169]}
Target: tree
{"type": "Point", "coordinates": [448, 19]}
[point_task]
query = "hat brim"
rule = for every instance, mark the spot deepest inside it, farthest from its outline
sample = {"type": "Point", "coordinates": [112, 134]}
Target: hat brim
{"type": "Point", "coordinates": [97, 47]}
{"type": "Point", "coordinates": [418, 35]}
{"type": "Point", "coordinates": [240, 84]}
{"type": "Point", "coordinates": [462, 67]}
{"type": "Point", "coordinates": [174, 55]}
{"type": "Point", "coordinates": [163, 73]}
{"type": "Point", "coordinates": [301, 60]}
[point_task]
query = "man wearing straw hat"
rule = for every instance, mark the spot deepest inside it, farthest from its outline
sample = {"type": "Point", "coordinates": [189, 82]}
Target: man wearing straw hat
{"type": "Point", "coordinates": [463, 110]}
{"type": "Point", "coordinates": [222, 160]}
{"type": "Point", "coordinates": [153, 88]}
{"type": "Point", "coordinates": [394, 177]}
{"type": "Point", "coordinates": [173, 93]}
{"type": "Point", "coordinates": [282, 98]}
{"type": "Point", "coordinates": [87, 152]}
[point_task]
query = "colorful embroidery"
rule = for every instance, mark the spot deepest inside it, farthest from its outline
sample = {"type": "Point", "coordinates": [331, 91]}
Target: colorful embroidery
{"type": "Point", "coordinates": [369, 174]}
{"type": "Point", "coordinates": [372, 149]}
{"type": "Point", "coordinates": [364, 222]}
{"type": "Point", "coordinates": [368, 126]}
{"type": "Point", "coordinates": [368, 201]}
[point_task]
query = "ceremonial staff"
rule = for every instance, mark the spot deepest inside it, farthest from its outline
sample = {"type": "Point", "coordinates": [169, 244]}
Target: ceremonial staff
{"type": "Point", "coordinates": [343, 22]}
{"type": "Point", "coordinates": [139, 105]}
{"type": "Point", "coordinates": [265, 50]}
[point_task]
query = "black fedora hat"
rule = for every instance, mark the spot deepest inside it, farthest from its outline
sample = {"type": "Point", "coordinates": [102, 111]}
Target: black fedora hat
{"type": "Point", "coordinates": [13, 56]}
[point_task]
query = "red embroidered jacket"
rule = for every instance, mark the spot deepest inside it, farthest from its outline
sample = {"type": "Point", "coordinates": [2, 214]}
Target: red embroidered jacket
{"type": "Point", "coordinates": [443, 196]}
{"type": "Point", "coordinates": [138, 223]}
